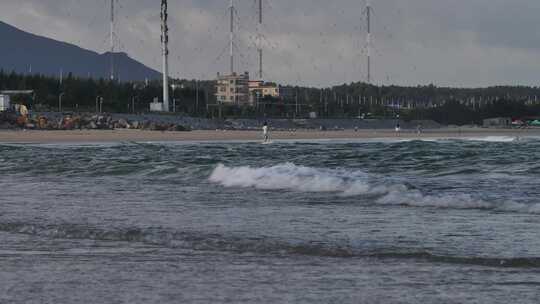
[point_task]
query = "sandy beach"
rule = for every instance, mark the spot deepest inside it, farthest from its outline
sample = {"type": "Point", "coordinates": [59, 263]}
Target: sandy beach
{"type": "Point", "coordinates": [94, 136]}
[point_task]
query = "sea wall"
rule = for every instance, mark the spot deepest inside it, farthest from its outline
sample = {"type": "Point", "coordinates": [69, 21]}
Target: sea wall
{"type": "Point", "coordinates": [158, 122]}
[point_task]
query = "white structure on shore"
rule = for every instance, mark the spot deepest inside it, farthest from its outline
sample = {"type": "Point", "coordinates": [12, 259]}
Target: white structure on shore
{"type": "Point", "coordinates": [4, 103]}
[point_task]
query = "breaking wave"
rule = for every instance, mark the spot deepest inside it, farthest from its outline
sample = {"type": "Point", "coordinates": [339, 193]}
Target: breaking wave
{"type": "Point", "coordinates": [256, 245]}
{"type": "Point", "coordinates": [495, 139]}
{"type": "Point", "coordinates": [352, 183]}
{"type": "Point", "coordinates": [291, 177]}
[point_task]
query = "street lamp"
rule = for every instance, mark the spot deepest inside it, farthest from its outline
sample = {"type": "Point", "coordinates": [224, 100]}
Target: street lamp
{"type": "Point", "coordinates": [133, 98]}
{"type": "Point", "coordinates": [196, 97]}
{"type": "Point", "coordinates": [296, 103]}
{"type": "Point", "coordinates": [60, 102]}
{"type": "Point", "coordinates": [97, 103]}
{"type": "Point", "coordinates": [174, 86]}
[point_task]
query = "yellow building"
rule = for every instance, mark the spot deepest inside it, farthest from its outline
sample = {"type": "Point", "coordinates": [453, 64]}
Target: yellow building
{"type": "Point", "coordinates": [260, 89]}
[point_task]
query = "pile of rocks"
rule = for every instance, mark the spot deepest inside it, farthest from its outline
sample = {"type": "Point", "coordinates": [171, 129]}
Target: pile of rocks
{"type": "Point", "coordinates": [10, 120]}
{"type": "Point", "coordinates": [157, 122]}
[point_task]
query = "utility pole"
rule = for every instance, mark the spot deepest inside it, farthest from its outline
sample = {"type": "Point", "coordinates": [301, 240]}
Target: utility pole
{"type": "Point", "coordinates": [112, 40]}
{"type": "Point", "coordinates": [60, 102]}
{"type": "Point", "coordinates": [174, 87]}
{"type": "Point", "coordinates": [197, 97]}
{"type": "Point", "coordinates": [320, 100]}
{"type": "Point", "coordinates": [97, 103]}
{"type": "Point", "coordinates": [165, 53]}
{"type": "Point", "coordinates": [368, 39]}
{"type": "Point", "coordinates": [206, 101]}
{"type": "Point", "coordinates": [296, 102]}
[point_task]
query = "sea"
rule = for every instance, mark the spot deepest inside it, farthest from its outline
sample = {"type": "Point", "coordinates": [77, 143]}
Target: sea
{"type": "Point", "coordinates": [328, 221]}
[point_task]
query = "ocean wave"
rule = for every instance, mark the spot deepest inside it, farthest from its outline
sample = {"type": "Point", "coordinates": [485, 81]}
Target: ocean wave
{"type": "Point", "coordinates": [349, 183]}
{"type": "Point", "coordinates": [291, 177]}
{"type": "Point", "coordinates": [494, 139]}
{"type": "Point", "coordinates": [255, 245]}
{"type": "Point", "coordinates": [504, 139]}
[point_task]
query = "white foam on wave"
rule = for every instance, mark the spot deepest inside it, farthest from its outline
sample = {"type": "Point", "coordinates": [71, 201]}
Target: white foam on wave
{"type": "Point", "coordinates": [495, 139]}
{"type": "Point", "coordinates": [351, 183]}
{"type": "Point", "coordinates": [290, 177]}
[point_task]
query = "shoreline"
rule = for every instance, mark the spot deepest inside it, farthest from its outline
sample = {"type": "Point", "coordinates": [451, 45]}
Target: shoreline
{"type": "Point", "coordinates": [121, 135]}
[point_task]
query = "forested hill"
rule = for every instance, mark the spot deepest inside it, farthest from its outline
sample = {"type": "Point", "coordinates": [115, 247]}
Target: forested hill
{"type": "Point", "coordinates": [23, 52]}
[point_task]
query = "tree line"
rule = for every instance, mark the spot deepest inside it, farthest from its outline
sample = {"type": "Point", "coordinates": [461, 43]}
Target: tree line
{"type": "Point", "coordinates": [355, 100]}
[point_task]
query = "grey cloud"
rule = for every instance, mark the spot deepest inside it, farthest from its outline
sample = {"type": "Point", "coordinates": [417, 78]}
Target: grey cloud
{"type": "Point", "coordinates": [313, 42]}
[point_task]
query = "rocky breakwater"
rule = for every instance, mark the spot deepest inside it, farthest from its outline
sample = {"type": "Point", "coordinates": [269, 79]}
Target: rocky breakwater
{"type": "Point", "coordinates": [87, 121]}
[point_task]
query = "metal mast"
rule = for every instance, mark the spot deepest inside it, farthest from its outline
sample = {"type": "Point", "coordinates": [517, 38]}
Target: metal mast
{"type": "Point", "coordinates": [165, 53]}
{"type": "Point", "coordinates": [259, 39]}
{"type": "Point", "coordinates": [368, 39]}
{"type": "Point", "coordinates": [232, 36]}
{"type": "Point", "coordinates": [112, 40]}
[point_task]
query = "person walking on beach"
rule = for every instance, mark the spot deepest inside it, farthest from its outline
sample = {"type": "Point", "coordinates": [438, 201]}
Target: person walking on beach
{"type": "Point", "coordinates": [398, 129]}
{"type": "Point", "coordinates": [265, 132]}
{"type": "Point", "coordinates": [22, 120]}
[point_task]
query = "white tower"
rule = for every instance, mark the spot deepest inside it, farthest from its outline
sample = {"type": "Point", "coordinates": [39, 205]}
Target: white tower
{"type": "Point", "coordinates": [165, 53]}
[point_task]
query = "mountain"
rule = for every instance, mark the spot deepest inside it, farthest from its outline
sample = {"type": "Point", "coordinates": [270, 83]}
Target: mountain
{"type": "Point", "coordinates": [20, 51]}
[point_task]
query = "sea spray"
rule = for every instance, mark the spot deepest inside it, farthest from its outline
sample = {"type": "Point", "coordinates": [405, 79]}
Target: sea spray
{"type": "Point", "coordinates": [284, 176]}
{"type": "Point", "coordinates": [290, 177]}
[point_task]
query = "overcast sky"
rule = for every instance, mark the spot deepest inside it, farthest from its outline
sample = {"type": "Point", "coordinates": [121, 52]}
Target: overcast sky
{"type": "Point", "coordinates": [312, 42]}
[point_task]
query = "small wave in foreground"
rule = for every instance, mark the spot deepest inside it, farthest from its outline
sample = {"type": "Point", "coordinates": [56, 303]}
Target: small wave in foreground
{"type": "Point", "coordinates": [255, 245]}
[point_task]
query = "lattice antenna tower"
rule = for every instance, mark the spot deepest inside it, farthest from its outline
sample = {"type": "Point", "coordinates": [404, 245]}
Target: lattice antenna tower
{"type": "Point", "coordinates": [231, 36]}
{"type": "Point", "coordinates": [112, 34]}
{"type": "Point", "coordinates": [260, 38]}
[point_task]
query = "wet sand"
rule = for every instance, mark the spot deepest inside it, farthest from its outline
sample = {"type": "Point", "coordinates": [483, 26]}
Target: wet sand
{"type": "Point", "coordinates": [95, 136]}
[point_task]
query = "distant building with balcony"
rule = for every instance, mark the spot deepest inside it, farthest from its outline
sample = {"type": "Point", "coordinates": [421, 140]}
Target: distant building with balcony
{"type": "Point", "coordinates": [260, 89]}
{"type": "Point", "coordinates": [4, 103]}
{"type": "Point", "coordinates": [233, 89]}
